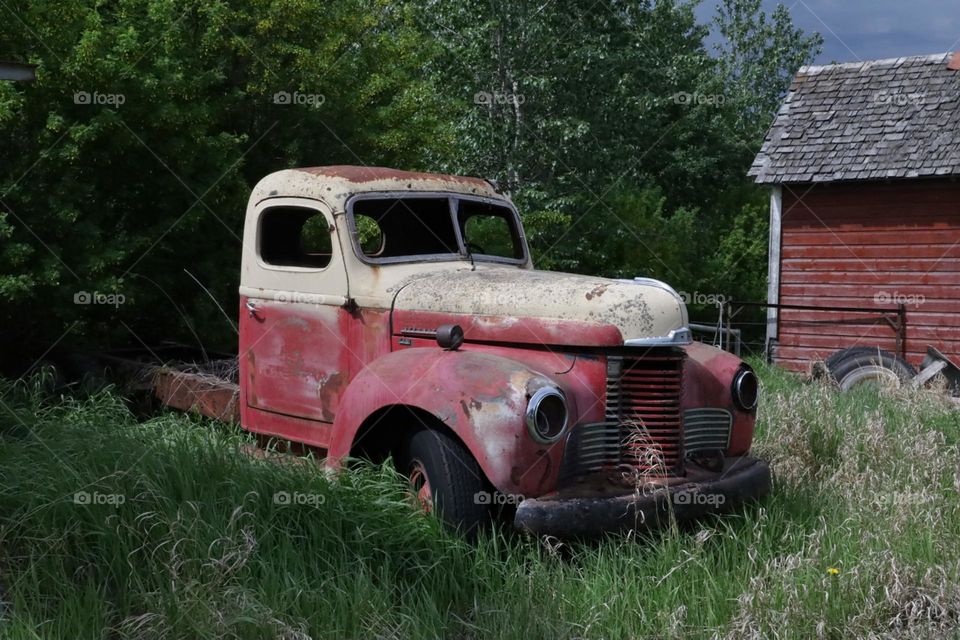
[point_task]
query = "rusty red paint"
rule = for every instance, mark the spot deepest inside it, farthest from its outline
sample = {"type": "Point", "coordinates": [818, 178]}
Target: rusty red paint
{"type": "Point", "coordinates": [515, 330]}
{"type": "Point", "coordinates": [309, 432]}
{"type": "Point", "coordinates": [490, 421]}
{"type": "Point", "coordinates": [473, 391]}
{"type": "Point", "coordinates": [281, 363]}
{"type": "Point", "coordinates": [714, 371]}
{"type": "Point", "coordinates": [214, 398]}
{"type": "Point", "coordinates": [420, 483]}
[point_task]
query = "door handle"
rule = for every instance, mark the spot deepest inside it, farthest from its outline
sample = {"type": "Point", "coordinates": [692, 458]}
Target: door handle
{"type": "Point", "coordinates": [252, 309]}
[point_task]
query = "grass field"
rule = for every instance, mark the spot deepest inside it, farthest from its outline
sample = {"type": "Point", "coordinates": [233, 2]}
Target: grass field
{"type": "Point", "coordinates": [114, 527]}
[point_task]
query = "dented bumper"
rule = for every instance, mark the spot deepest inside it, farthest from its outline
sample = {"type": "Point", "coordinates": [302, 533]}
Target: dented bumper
{"type": "Point", "coordinates": [742, 479]}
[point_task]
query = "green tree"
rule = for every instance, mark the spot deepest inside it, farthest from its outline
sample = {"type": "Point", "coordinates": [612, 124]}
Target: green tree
{"type": "Point", "coordinates": [131, 158]}
{"type": "Point", "coordinates": [758, 56]}
{"type": "Point", "coordinates": [611, 115]}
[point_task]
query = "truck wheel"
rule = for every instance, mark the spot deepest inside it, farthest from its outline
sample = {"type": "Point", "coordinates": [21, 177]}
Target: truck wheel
{"type": "Point", "coordinates": [445, 477]}
{"type": "Point", "coordinates": [857, 366]}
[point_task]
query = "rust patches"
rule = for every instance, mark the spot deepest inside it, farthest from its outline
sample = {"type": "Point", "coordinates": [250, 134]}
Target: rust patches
{"type": "Point", "coordinates": [251, 389]}
{"type": "Point", "coordinates": [359, 175]}
{"type": "Point", "coordinates": [471, 406]}
{"type": "Point", "coordinates": [543, 459]}
{"type": "Point", "coordinates": [329, 391]}
{"type": "Point", "coordinates": [213, 398]}
{"type": "Point", "coordinates": [544, 456]}
{"type": "Point", "coordinates": [597, 291]}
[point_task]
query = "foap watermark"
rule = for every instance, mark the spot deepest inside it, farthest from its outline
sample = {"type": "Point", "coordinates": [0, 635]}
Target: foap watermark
{"type": "Point", "coordinates": [303, 99]}
{"type": "Point", "coordinates": [699, 99]}
{"type": "Point", "coordinates": [701, 298]}
{"type": "Point", "coordinates": [497, 498]}
{"type": "Point", "coordinates": [97, 98]}
{"type": "Point", "coordinates": [97, 297]}
{"type": "Point", "coordinates": [298, 499]}
{"type": "Point", "coordinates": [900, 99]}
{"type": "Point", "coordinates": [895, 297]}
{"type": "Point", "coordinates": [904, 498]}
{"type": "Point", "coordinates": [96, 498]}
{"type": "Point", "coordinates": [486, 98]}
{"type": "Point", "coordinates": [300, 298]}
{"type": "Point", "coordinates": [698, 498]}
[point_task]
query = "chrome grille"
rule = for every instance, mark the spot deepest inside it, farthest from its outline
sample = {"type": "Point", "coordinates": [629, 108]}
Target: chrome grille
{"type": "Point", "coordinates": [706, 430]}
{"type": "Point", "coordinates": [643, 397]}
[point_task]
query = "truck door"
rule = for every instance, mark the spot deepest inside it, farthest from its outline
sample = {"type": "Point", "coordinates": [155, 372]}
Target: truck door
{"type": "Point", "coordinates": [294, 360]}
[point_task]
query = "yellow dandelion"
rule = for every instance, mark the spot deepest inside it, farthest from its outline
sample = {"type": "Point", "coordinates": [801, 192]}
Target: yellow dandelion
{"type": "Point", "coordinates": [833, 571]}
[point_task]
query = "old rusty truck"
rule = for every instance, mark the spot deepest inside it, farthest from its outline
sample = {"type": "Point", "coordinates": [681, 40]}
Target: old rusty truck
{"type": "Point", "coordinates": [387, 314]}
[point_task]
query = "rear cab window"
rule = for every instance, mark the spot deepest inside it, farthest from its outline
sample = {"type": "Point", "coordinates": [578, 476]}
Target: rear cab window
{"type": "Point", "coordinates": [410, 228]}
{"type": "Point", "coordinates": [295, 237]}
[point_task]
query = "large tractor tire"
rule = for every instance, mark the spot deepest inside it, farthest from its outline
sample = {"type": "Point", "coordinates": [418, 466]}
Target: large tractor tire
{"type": "Point", "coordinates": [859, 366]}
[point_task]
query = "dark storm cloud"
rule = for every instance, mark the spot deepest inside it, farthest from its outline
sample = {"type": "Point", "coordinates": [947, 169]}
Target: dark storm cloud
{"type": "Point", "coordinates": [858, 30]}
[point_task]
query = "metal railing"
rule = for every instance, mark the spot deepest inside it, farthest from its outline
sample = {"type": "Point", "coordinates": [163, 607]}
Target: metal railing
{"type": "Point", "coordinates": [723, 334]}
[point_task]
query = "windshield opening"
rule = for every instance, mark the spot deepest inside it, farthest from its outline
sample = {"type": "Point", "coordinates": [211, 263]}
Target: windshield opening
{"type": "Point", "coordinates": [396, 227]}
{"type": "Point", "coordinates": [410, 228]}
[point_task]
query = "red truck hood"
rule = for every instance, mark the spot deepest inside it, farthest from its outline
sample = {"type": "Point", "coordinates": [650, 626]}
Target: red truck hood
{"type": "Point", "coordinates": [489, 298]}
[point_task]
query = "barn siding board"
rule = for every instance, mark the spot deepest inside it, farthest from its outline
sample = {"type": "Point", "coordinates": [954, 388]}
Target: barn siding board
{"type": "Point", "coordinates": [873, 277]}
{"type": "Point", "coordinates": [939, 311]}
{"type": "Point", "coordinates": [892, 265]}
{"type": "Point", "coordinates": [934, 251]}
{"type": "Point", "coordinates": [857, 244]}
{"type": "Point", "coordinates": [894, 236]}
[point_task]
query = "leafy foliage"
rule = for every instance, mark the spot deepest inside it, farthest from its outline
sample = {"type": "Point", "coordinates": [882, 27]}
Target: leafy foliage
{"type": "Point", "coordinates": [623, 140]}
{"type": "Point", "coordinates": [129, 161]}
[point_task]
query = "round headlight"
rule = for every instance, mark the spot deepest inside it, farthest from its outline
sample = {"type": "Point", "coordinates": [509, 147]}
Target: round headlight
{"type": "Point", "coordinates": [547, 415]}
{"type": "Point", "coordinates": [746, 389]}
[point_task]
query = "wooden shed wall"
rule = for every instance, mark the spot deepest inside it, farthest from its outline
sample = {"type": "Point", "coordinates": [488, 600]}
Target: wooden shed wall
{"type": "Point", "coordinates": [869, 245]}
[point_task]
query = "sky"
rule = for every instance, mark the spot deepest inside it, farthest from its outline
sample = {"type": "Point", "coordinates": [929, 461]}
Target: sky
{"type": "Point", "coordinates": [855, 30]}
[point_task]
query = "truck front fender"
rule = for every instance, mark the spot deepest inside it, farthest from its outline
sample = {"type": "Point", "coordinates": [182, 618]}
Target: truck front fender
{"type": "Point", "coordinates": [481, 398]}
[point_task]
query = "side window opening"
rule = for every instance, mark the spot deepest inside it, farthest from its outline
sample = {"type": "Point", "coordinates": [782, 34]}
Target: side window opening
{"type": "Point", "coordinates": [396, 227]}
{"type": "Point", "coordinates": [489, 229]}
{"type": "Point", "coordinates": [295, 237]}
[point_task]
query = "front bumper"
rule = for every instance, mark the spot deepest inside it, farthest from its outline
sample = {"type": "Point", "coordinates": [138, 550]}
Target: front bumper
{"type": "Point", "coordinates": [701, 492]}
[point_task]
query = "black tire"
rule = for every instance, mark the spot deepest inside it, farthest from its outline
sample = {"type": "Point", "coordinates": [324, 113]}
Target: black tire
{"type": "Point", "coordinates": [863, 365]}
{"type": "Point", "coordinates": [455, 479]}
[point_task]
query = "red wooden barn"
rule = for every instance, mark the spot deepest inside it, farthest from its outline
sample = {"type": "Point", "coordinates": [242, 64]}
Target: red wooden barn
{"type": "Point", "coordinates": [863, 161]}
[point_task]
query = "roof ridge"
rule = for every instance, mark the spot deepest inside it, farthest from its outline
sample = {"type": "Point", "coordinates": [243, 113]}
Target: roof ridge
{"type": "Point", "coordinates": [932, 58]}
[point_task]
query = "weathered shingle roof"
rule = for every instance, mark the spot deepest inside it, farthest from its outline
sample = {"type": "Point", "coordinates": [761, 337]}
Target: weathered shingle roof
{"type": "Point", "coordinates": [896, 118]}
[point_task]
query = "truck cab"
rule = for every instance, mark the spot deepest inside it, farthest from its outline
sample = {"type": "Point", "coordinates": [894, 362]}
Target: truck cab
{"type": "Point", "coordinates": [386, 313]}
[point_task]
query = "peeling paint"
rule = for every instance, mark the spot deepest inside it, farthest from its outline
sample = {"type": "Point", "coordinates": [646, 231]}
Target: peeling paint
{"type": "Point", "coordinates": [596, 292]}
{"type": "Point", "coordinates": [328, 392]}
{"type": "Point", "coordinates": [502, 295]}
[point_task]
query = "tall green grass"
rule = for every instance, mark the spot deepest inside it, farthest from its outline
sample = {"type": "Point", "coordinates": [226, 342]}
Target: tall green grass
{"type": "Point", "coordinates": [114, 527]}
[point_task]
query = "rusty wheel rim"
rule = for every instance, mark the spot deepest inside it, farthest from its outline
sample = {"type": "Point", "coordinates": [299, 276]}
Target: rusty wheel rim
{"type": "Point", "coordinates": [420, 484]}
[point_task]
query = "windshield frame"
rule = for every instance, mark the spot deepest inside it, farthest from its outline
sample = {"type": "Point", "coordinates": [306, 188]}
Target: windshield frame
{"type": "Point", "coordinates": [452, 199]}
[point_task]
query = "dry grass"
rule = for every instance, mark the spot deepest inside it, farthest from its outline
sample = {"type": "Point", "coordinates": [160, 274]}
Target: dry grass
{"type": "Point", "coordinates": [884, 467]}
